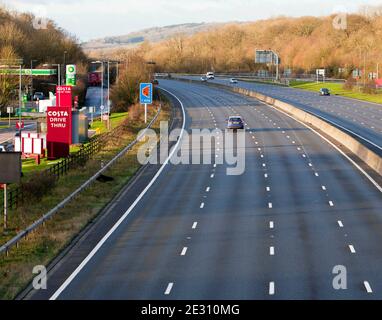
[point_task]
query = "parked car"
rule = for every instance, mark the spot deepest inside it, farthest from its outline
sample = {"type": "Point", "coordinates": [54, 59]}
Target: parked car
{"type": "Point", "coordinates": [210, 76]}
{"type": "Point", "coordinates": [6, 147]}
{"type": "Point", "coordinates": [233, 81]}
{"type": "Point", "coordinates": [324, 92]}
{"type": "Point", "coordinates": [38, 96]}
{"type": "Point", "coordinates": [235, 123]}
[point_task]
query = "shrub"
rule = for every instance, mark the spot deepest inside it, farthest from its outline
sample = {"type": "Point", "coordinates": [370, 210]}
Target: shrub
{"type": "Point", "coordinates": [38, 186]}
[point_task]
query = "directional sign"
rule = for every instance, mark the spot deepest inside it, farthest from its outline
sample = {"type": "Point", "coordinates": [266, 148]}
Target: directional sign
{"type": "Point", "coordinates": [146, 93]}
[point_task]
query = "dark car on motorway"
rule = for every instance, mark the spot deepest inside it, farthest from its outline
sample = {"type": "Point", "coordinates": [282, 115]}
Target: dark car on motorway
{"type": "Point", "coordinates": [235, 123]}
{"type": "Point", "coordinates": [155, 82]}
{"type": "Point", "coordinates": [324, 92]}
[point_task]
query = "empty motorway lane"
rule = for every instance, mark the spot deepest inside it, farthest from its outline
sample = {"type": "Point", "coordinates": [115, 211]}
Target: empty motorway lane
{"type": "Point", "coordinates": [274, 232]}
{"type": "Point", "coordinates": [363, 119]}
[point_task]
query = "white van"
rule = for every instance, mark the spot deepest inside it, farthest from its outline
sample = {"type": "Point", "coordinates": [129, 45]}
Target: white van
{"type": "Point", "coordinates": [210, 75]}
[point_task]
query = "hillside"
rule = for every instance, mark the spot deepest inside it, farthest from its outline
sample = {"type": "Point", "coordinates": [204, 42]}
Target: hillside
{"type": "Point", "coordinates": [152, 35]}
{"type": "Point", "coordinates": [304, 44]}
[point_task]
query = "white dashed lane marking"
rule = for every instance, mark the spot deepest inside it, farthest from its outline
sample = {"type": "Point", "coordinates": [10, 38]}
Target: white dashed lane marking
{"type": "Point", "coordinates": [271, 225]}
{"type": "Point", "coordinates": [194, 225]}
{"type": "Point", "coordinates": [341, 225]}
{"type": "Point", "coordinates": [367, 287]}
{"type": "Point", "coordinates": [271, 288]}
{"type": "Point", "coordinates": [169, 288]}
{"type": "Point", "coordinates": [184, 251]}
{"type": "Point", "coordinates": [271, 251]}
{"type": "Point", "coordinates": [351, 248]}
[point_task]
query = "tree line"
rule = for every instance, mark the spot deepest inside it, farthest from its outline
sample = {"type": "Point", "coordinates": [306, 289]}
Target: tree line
{"type": "Point", "coordinates": [20, 39]}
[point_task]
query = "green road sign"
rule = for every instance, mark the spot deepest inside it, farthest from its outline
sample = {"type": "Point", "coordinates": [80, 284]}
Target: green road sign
{"type": "Point", "coordinates": [28, 72]}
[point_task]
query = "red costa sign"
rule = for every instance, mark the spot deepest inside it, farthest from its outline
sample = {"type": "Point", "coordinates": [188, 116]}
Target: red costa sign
{"type": "Point", "coordinates": [59, 135]}
{"type": "Point", "coordinates": [64, 96]}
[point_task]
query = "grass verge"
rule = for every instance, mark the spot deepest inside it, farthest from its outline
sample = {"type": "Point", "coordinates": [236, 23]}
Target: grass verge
{"type": "Point", "coordinates": [337, 89]}
{"type": "Point", "coordinates": [48, 241]}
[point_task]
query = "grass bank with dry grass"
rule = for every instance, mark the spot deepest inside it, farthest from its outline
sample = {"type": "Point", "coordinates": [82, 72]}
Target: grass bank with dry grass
{"type": "Point", "coordinates": [48, 241]}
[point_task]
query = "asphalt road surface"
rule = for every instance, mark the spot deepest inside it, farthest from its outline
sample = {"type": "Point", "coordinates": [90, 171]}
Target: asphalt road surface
{"type": "Point", "coordinates": [364, 119]}
{"type": "Point", "coordinates": [8, 134]}
{"type": "Point", "coordinates": [275, 232]}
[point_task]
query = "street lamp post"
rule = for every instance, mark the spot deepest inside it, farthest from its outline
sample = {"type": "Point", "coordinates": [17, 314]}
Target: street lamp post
{"type": "Point", "coordinates": [64, 67]}
{"type": "Point", "coordinates": [32, 76]}
{"type": "Point", "coordinates": [102, 82]}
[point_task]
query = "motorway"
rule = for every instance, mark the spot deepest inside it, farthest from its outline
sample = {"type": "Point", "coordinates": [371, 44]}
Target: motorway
{"type": "Point", "coordinates": [274, 232]}
{"type": "Point", "coordinates": [362, 118]}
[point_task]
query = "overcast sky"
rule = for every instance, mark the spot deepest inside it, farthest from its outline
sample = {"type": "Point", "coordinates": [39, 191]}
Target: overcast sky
{"type": "Point", "coordinates": [89, 19]}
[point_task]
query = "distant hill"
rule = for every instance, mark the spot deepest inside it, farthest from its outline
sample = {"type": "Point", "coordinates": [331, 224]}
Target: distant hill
{"type": "Point", "coordinates": [153, 35]}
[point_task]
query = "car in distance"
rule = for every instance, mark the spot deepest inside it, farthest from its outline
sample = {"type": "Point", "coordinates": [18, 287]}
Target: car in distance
{"type": "Point", "coordinates": [203, 79]}
{"type": "Point", "coordinates": [38, 96]}
{"type": "Point", "coordinates": [233, 81]}
{"type": "Point", "coordinates": [235, 123]}
{"type": "Point", "coordinates": [155, 82]}
{"type": "Point", "coordinates": [210, 76]}
{"type": "Point", "coordinates": [324, 92]}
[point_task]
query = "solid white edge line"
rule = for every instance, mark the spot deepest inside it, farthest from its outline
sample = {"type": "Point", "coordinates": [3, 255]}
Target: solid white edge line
{"type": "Point", "coordinates": [333, 145]}
{"type": "Point", "coordinates": [116, 225]}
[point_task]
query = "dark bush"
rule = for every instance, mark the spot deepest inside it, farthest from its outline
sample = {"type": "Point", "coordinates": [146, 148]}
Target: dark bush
{"type": "Point", "coordinates": [38, 186]}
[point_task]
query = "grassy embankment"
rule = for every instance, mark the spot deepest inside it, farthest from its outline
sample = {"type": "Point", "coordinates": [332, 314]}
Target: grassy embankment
{"type": "Point", "coordinates": [338, 89]}
{"type": "Point", "coordinates": [44, 244]}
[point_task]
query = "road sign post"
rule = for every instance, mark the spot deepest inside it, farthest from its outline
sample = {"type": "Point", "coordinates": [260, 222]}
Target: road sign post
{"type": "Point", "coordinates": [146, 95]}
{"type": "Point", "coordinates": [10, 163]}
{"type": "Point", "coordinates": [5, 207]}
{"type": "Point", "coordinates": [9, 111]}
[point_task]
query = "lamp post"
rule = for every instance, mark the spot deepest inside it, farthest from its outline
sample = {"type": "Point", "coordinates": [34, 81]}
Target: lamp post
{"type": "Point", "coordinates": [32, 76]}
{"type": "Point", "coordinates": [102, 82]}
{"type": "Point", "coordinates": [64, 67]}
